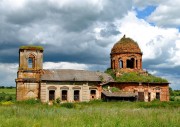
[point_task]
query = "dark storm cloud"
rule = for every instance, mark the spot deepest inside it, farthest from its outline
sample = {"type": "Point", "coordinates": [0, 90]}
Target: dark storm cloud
{"type": "Point", "coordinates": [71, 18]}
{"type": "Point", "coordinates": [66, 31]}
{"type": "Point", "coordinates": [109, 30]}
{"type": "Point", "coordinates": [89, 54]}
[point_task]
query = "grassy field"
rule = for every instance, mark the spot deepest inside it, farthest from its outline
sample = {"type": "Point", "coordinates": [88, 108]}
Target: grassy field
{"type": "Point", "coordinates": [92, 114]}
{"type": "Point", "coordinates": [8, 91]}
{"type": "Point", "coordinates": [32, 113]}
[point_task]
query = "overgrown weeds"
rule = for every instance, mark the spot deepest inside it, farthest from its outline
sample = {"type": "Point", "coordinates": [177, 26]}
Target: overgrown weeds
{"type": "Point", "coordinates": [29, 101]}
{"type": "Point", "coordinates": [159, 104]}
{"type": "Point", "coordinates": [94, 113]}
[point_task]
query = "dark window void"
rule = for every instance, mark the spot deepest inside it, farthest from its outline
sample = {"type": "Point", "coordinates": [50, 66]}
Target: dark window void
{"type": "Point", "coordinates": [158, 96]}
{"type": "Point", "coordinates": [64, 95]}
{"type": "Point", "coordinates": [149, 96]}
{"type": "Point", "coordinates": [93, 94]}
{"type": "Point", "coordinates": [31, 61]}
{"type": "Point", "coordinates": [51, 95]}
{"type": "Point", "coordinates": [76, 95]}
{"type": "Point", "coordinates": [120, 64]}
{"type": "Point", "coordinates": [130, 63]}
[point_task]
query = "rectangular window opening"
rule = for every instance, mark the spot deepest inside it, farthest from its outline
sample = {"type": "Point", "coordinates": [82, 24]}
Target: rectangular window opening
{"type": "Point", "coordinates": [76, 95]}
{"type": "Point", "coordinates": [51, 95]}
{"type": "Point", "coordinates": [158, 96]}
{"type": "Point", "coordinates": [64, 95]}
{"type": "Point", "coordinates": [93, 94]}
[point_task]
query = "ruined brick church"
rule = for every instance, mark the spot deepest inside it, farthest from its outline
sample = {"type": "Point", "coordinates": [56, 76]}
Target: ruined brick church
{"type": "Point", "coordinates": [82, 85]}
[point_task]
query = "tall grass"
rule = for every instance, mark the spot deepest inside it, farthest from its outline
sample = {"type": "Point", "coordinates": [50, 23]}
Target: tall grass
{"type": "Point", "coordinates": [92, 114]}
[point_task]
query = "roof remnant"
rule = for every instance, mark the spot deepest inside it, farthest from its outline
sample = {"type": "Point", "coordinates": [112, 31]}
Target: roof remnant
{"type": "Point", "coordinates": [74, 75]}
{"type": "Point", "coordinates": [119, 94]}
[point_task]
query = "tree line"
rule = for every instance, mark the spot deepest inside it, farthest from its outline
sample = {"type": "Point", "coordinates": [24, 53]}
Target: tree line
{"type": "Point", "coordinates": [7, 87]}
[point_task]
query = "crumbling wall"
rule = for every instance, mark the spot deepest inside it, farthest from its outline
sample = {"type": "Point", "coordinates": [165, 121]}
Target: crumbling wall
{"type": "Point", "coordinates": [26, 91]}
{"type": "Point", "coordinates": [149, 89]}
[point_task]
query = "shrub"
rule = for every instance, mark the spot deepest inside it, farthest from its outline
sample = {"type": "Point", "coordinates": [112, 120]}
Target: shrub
{"type": "Point", "coordinates": [115, 89]}
{"type": "Point", "coordinates": [8, 98]}
{"type": "Point", "coordinates": [2, 96]}
{"type": "Point", "coordinates": [6, 103]}
{"type": "Point", "coordinates": [68, 105]}
{"type": "Point", "coordinates": [172, 98]}
{"type": "Point", "coordinates": [58, 100]}
{"type": "Point", "coordinates": [31, 101]}
{"type": "Point", "coordinates": [111, 72]}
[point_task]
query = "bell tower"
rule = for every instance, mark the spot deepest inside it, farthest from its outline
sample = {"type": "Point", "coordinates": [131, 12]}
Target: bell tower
{"type": "Point", "coordinates": [29, 72]}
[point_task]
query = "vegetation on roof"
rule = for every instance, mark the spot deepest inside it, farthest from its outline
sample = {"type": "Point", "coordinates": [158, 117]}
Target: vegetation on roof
{"type": "Point", "coordinates": [127, 40]}
{"type": "Point", "coordinates": [32, 47]}
{"type": "Point", "coordinates": [136, 77]}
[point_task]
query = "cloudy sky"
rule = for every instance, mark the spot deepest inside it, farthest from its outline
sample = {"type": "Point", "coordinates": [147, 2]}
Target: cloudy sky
{"type": "Point", "coordinates": [79, 34]}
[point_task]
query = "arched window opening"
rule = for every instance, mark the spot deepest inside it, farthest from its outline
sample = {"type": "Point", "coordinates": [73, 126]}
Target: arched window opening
{"type": "Point", "coordinates": [31, 61]}
{"type": "Point", "coordinates": [76, 95]}
{"type": "Point", "coordinates": [93, 94]}
{"type": "Point", "coordinates": [64, 95]}
{"type": "Point", "coordinates": [120, 64]}
{"type": "Point", "coordinates": [130, 63]}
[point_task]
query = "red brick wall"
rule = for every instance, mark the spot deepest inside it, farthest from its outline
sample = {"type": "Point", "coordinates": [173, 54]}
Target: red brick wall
{"type": "Point", "coordinates": [152, 88]}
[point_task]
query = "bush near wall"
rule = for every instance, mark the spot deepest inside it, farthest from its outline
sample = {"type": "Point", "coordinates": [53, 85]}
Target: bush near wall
{"type": "Point", "coordinates": [6, 97]}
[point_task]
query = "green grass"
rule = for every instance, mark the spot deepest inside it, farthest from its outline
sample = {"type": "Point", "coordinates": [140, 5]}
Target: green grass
{"type": "Point", "coordinates": [177, 97]}
{"type": "Point", "coordinates": [8, 91]}
{"type": "Point", "coordinates": [91, 114]}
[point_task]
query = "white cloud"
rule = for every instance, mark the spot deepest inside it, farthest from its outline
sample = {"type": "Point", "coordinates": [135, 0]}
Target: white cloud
{"type": "Point", "coordinates": [166, 14]}
{"type": "Point", "coordinates": [175, 59]}
{"type": "Point", "coordinates": [154, 41]}
{"type": "Point", "coordinates": [8, 74]}
{"type": "Point", "coordinates": [12, 4]}
{"type": "Point", "coordinates": [64, 65]}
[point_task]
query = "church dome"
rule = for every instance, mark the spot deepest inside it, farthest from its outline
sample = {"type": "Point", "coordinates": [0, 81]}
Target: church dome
{"type": "Point", "coordinates": [126, 45]}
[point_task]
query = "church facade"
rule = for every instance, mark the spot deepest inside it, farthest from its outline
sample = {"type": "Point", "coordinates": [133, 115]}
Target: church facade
{"type": "Point", "coordinates": [68, 85]}
{"type": "Point", "coordinates": [81, 85]}
{"type": "Point", "coordinates": [126, 57]}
